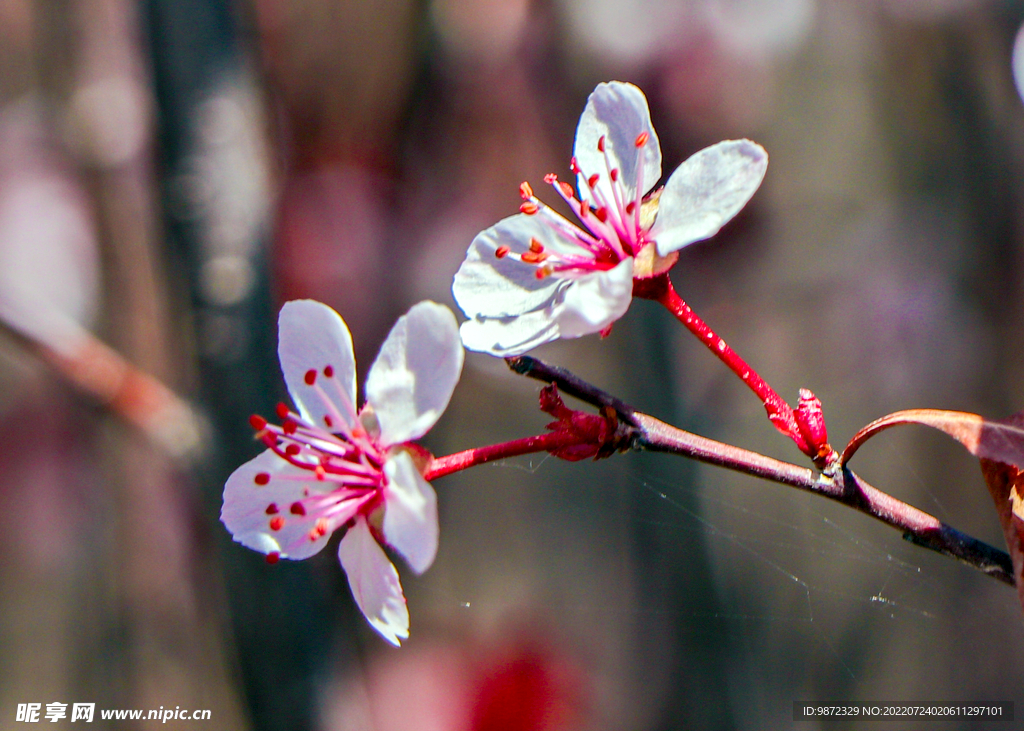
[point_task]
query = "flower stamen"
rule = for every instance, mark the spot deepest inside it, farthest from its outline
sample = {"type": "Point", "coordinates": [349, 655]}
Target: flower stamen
{"type": "Point", "coordinates": [629, 234]}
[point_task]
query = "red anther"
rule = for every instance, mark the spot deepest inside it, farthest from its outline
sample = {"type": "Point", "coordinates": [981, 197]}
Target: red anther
{"type": "Point", "coordinates": [592, 180]}
{"type": "Point", "coordinates": [614, 175]}
{"type": "Point", "coordinates": [641, 139]}
{"type": "Point", "coordinates": [567, 189]}
{"type": "Point", "coordinates": [261, 478]}
{"type": "Point", "coordinates": [282, 411]}
{"type": "Point", "coordinates": [574, 166]}
{"type": "Point", "coordinates": [276, 523]}
{"type": "Point", "coordinates": [525, 191]}
{"type": "Point", "coordinates": [319, 529]}
{"type": "Point", "coordinates": [272, 509]}
{"type": "Point", "coordinates": [289, 427]}
{"type": "Point", "coordinates": [602, 214]}
{"type": "Point", "coordinates": [535, 246]}
{"type": "Point", "coordinates": [501, 252]}
{"type": "Point", "coordinates": [544, 271]}
{"type": "Point", "coordinates": [321, 473]}
{"type": "Point", "coordinates": [297, 508]}
{"type": "Point", "coordinates": [328, 421]}
{"type": "Point", "coordinates": [257, 422]}
{"type": "Point", "coordinates": [630, 207]}
{"type": "Point", "coordinates": [310, 376]}
{"type": "Point", "coordinates": [584, 210]}
{"type": "Point", "coordinates": [529, 208]}
{"type": "Point", "coordinates": [530, 258]}
{"type": "Point", "coordinates": [272, 557]}
{"type": "Point", "coordinates": [550, 178]}
{"type": "Point", "coordinates": [328, 371]}
{"type": "Point", "coordinates": [291, 450]}
{"type": "Point", "coordinates": [600, 143]}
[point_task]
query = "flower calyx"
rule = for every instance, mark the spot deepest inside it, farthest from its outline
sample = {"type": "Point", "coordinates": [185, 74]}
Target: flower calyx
{"type": "Point", "coordinates": [599, 435]}
{"type": "Point", "coordinates": [648, 262]}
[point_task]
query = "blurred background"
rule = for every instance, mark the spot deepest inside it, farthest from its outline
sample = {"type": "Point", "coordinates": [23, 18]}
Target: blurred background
{"type": "Point", "coordinates": [171, 171]}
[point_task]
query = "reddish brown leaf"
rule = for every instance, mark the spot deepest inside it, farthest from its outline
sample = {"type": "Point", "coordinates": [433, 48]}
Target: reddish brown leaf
{"type": "Point", "coordinates": [1005, 484]}
{"type": "Point", "coordinates": [999, 445]}
{"type": "Point", "coordinates": [999, 441]}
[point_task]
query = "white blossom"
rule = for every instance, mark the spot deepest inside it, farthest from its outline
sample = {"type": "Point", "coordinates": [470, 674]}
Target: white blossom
{"type": "Point", "coordinates": [330, 467]}
{"type": "Point", "coordinates": [535, 277]}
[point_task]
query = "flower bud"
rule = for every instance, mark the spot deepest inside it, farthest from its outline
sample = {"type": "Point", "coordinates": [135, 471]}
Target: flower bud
{"type": "Point", "coordinates": [811, 422]}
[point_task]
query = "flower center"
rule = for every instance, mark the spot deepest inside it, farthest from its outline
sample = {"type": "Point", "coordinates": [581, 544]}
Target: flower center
{"type": "Point", "coordinates": [347, 459]}
{"type": "Point", "coordinates": [610, 228]}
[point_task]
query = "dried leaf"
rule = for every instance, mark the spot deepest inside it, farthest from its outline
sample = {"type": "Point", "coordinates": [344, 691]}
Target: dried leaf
{"type": "Point", "coordinates": [1006, 485]}
{"type": "Point", "coordinates": [997, 440]}
{"type": "Point", "coordinates": [999, 445]}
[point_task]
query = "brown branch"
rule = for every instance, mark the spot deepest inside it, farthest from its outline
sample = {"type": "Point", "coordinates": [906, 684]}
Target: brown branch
{"type": "Point", "coordinates": [844, 486]}
{"type": "Point", "coordinates": [105, 376]}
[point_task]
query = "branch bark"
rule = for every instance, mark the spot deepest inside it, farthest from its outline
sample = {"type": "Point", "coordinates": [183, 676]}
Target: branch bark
{"type": "Point", "coordinates": [844, 486]}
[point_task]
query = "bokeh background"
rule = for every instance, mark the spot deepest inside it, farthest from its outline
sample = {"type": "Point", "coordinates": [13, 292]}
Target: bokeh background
{"type": "Point", "coordinates": [171, 171]}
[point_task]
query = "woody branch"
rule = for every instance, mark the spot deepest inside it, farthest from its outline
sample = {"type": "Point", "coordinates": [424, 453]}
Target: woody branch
{"type": "Point", "coordinates": [843, 486]}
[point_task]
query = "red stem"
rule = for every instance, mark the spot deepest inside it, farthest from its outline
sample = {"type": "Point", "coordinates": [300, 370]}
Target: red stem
{"type": "Point", "coordinates": [660, 289]}
{"type": "Point", "coordinates": [441, 466]}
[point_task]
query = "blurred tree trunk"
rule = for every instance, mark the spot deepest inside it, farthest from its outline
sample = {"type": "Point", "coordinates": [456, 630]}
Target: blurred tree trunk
{"type": "Point", "coordinates": [167, 609]}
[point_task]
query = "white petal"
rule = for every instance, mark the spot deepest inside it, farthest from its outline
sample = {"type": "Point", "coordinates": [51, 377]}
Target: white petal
{"type": "Point", "coordinates": [415, 373]}
{"type": "Point", "coordinates": [410, 512]}
{"type": "Point", "coordinates": [580, 306]}
{"type": "Point", "coordinates": [706, 191]}
{"type": "Point", "coordinates": [514, 335]}
{"type": "Point", "coordinates": [374, 583]}
{"type": "Point", "coordinates": [618, 112]}
{"type": "Point", "coordinates": [493, 287]}
{"type": "Point", "coordinates": [245, 515]}
{"type": "Point", "coordinates": [597, 300]}
{"type": "Point", "coordinates": [312, 336]}
{"type": "Point", "coordinates": [1017, 61]}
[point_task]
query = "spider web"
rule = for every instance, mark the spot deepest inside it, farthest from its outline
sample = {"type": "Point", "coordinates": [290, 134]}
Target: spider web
{"type": "Point", "coordinates": [808, 600]}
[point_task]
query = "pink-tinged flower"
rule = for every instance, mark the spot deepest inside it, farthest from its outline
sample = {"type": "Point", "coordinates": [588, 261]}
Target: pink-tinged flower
{"type": "Point", "coordinates": [535, 277]}
{"type": "Point", "coordinates": [329, 467]}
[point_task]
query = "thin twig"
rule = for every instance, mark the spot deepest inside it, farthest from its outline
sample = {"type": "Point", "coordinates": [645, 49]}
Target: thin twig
{"type": "Point", "coordinates": [104, 375]}
{"type": "Point", "coordinates": [844, 487]}
{"type": "Point", "coordinates": [571, 384]}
